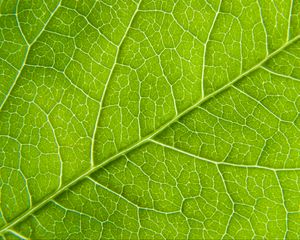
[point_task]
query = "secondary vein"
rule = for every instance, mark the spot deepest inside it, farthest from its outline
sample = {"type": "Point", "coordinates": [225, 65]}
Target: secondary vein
{"type": "Point", "coordinates": [145, 139]}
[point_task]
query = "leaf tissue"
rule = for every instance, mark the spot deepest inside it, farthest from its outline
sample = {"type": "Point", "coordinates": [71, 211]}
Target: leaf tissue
{"type": "Point", "coordinates": [149, 119]}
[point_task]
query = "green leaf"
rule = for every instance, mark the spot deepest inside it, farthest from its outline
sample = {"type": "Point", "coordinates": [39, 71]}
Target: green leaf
{"type": "Point", "coordinates": [150, 119]}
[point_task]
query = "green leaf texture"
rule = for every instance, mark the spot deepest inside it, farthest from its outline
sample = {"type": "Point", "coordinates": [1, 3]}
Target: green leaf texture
{"type": "Point", "coordinates": [150, 119]}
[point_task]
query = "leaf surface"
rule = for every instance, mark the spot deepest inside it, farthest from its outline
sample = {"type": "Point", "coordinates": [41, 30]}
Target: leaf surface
{"type": "Point", "coordinates": [150, 119]}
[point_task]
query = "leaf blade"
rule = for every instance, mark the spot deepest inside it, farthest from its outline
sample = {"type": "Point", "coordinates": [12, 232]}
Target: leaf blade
{"type": "Point", "coordinates": [76, 124]}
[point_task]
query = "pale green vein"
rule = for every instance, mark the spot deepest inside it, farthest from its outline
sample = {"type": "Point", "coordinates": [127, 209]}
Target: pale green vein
{"type": "Point", "coordinates": [146, 138]}
{"type": "Point", "coordinates": [107, 83]}
{"type": "Point", "coordinates": [285, 208]}
{"type": "Point", "coordinates": [205, 48]}
{"type": "Point", "coordinates": [290, 20]}
{"type": "Point", "coordinates": [27, 53]}
{"type": "Point", "coordinates": [261, 104]}
{"type": "Point", "coordinates": [127, 200]}
{"type": "Point", "coordinates": [231, 200]}
{"type": "Point", "coordinates": [220, 163]}
{"type": "Point", "coordinates": [18, 235]}
{"type": "Point", "coordinates": [280, 75]}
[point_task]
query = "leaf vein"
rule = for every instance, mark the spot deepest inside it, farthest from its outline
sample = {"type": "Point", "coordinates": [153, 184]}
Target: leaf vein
{"type": "Point", "coordinates": [147, 138]}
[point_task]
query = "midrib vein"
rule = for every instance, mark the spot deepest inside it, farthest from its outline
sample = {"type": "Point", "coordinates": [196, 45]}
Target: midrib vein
{"type": "Point", "coordinates": [144, 140]}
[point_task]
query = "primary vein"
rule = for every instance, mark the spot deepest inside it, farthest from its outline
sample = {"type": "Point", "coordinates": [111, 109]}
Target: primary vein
{"type": "Point", "coordinates": [146, 138]}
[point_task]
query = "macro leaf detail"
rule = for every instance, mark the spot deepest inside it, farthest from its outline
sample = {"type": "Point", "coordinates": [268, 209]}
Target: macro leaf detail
{"type": "Point", "coordinates": [149, 119]}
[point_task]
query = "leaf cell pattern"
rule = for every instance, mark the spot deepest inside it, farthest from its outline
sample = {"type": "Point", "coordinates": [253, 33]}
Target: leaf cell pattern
{"type": "Point", "coordinates": [149, 119]}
